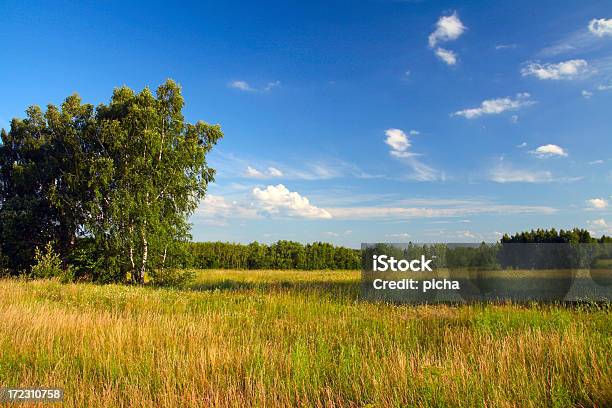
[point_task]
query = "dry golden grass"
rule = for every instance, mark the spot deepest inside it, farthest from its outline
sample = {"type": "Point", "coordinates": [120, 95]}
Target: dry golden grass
{"type": "Point", "coordinates": [293, 338]}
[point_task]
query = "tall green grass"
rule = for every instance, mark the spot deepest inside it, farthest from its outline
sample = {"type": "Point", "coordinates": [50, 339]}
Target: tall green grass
{"type": "Point", "coordinates": [272, 338]}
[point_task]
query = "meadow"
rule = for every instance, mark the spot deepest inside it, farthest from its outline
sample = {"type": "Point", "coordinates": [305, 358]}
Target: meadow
{"type": "Point", "coordinates": [296, 338]}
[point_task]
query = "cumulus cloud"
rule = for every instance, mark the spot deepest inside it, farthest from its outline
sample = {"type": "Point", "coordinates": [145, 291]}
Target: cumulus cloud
{"type": "Point", "coordinates": [600, 27]}
{"type": "Point", "coordinates": [496, 106]}
{"type": "Point", "coordinates": [448, 56]}
{"type": "Point", "coordinates": [448, 28]}
{"type": "Point", "coordinates": [567, 70]}
{"type": "Point", "coordinates": [549, 150]}
{"type": "Point", "coordinates": [398, 140]}
{"type": "Point", "coordinates": [400, 144]}
{"type": "Point", "coordinates": [587, 94]}
{"type": "Point", "coordinates": [278, 200]}
{"type": "Point", "coordinates": [597, 203]}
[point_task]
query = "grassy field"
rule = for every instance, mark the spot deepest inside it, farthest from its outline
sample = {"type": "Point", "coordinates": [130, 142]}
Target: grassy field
{"type": "Point", "coordinates": [270, 338]}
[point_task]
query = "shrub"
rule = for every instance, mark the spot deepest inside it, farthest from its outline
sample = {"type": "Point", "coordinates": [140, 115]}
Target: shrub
{"type": "Point", "coordinates": [49, 265]}
{"type": "Point", "coordinates": [172, 277]}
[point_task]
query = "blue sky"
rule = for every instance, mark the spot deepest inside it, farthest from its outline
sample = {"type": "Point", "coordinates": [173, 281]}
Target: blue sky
{"type": "Point", "coordinates": [354, 121]}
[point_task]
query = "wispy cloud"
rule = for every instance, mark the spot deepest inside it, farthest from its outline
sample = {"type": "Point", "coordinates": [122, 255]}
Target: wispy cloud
{"type": "Point", "coordinates": [241, 86]}
{"type": "Point", "coordinates": [448, 56]}
{"type": "Point", "coordinates": [277, 201]}
{"type": "Point", "coordinates": [505, 46]}
{"type": "Point", "coordinates": [599, 226]}
{"type": "Point", "coordinates": [400, 145]}
{"type": "Point", "coordinates": [496, 106]}
{"type": "Point", "coordinates": [400, 212]}
{"type": "Point", "coordinates": [252, 172]}
{"type": "Point", "coordinates": [507, 174]}
{"type": "Point", "coordinates": [244, 86]}
{"type": "Point", "coordinates": [229, 165]}
{"type": "Point", "coordinates": [565, 70]}
{"type": "Point", "coordinates": [218, 211]}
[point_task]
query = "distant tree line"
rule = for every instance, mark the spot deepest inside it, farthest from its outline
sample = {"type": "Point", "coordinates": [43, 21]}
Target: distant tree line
{"type": "Point", "coordinates": [279, 255]}
{"type": "Point", "coordinates": [573, 236]}
{"type": "Point", "coordinates": [535, 249]}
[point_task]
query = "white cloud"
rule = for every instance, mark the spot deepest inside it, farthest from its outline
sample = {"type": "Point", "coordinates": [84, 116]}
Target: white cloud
{"type": "Point", "coordinates": [448, 56]}
{"type": "Point", "coordinates": [338, 234]}
{"type": "Point", "coordinates": [496, 106]}
{"type": "Point", "coordinates": [596, 162]}
{"type": "Point", "coordinates": [604, 87]}
{"type": "Point", "coordinates": [246, 87]}
{"type": "Point", "coordinates": [600, 27]}
{"type": "Point", "coordinates": [448, 28]}
{"type": "Point", "coordinates": [216, 210]}
{"type": "Point", "coordinates": [520, 146]}
{"type": "Point", "coordinates": [398, 140]}
{"type": "Point", "coordinates": [400, 144]}
{"type": "Point", "coordinates": [549, 150]}
{"type": "Point", "coordinates": [241, 86]}
{"type": "Point", "coordinates": [599, 226]}
{"type": "Point", "coordinates": [253, 172]}
{"type": "Point", "coordinates": [274, 172]}
{"type": "Point", "coordinates": [570, 69]}
{"type": "Point", "coordinates": [505, 46]}
{"type": "Point", "coordinates": [278, 200]}
{"type": "Point", "coordinates": [476, 207]}
{"type": "Point", "coordinates": [271, 85]}
{"type": "Point", "coordinates": [597, 203]}
{"type": "Point", "coordinates": [401, 235]}
{"type": "Point", "coordinates": [587, 94]}
{"type": "Point", "coordinates": [514, 119]}
{"type": "Point", "coordinates": [505, 174]}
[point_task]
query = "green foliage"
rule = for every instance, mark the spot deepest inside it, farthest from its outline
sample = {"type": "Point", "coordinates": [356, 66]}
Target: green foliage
{"type": "Point", "coordinates": [49, 265]}
{"type": "Point", "coordinates": [172, 277]}
{"type": "Point", "coordinates": [123, 177]}
{"type": "Point", "coordinates": [552, 236]}
{"type": "Point", "coordinates": [280, 255]}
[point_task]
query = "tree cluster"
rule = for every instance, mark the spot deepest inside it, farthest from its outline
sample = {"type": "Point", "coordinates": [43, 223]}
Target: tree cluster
{"type": "Point", "coordinates": [280, 255]}
{"type": "Point", "coordinates": [109, 187]}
